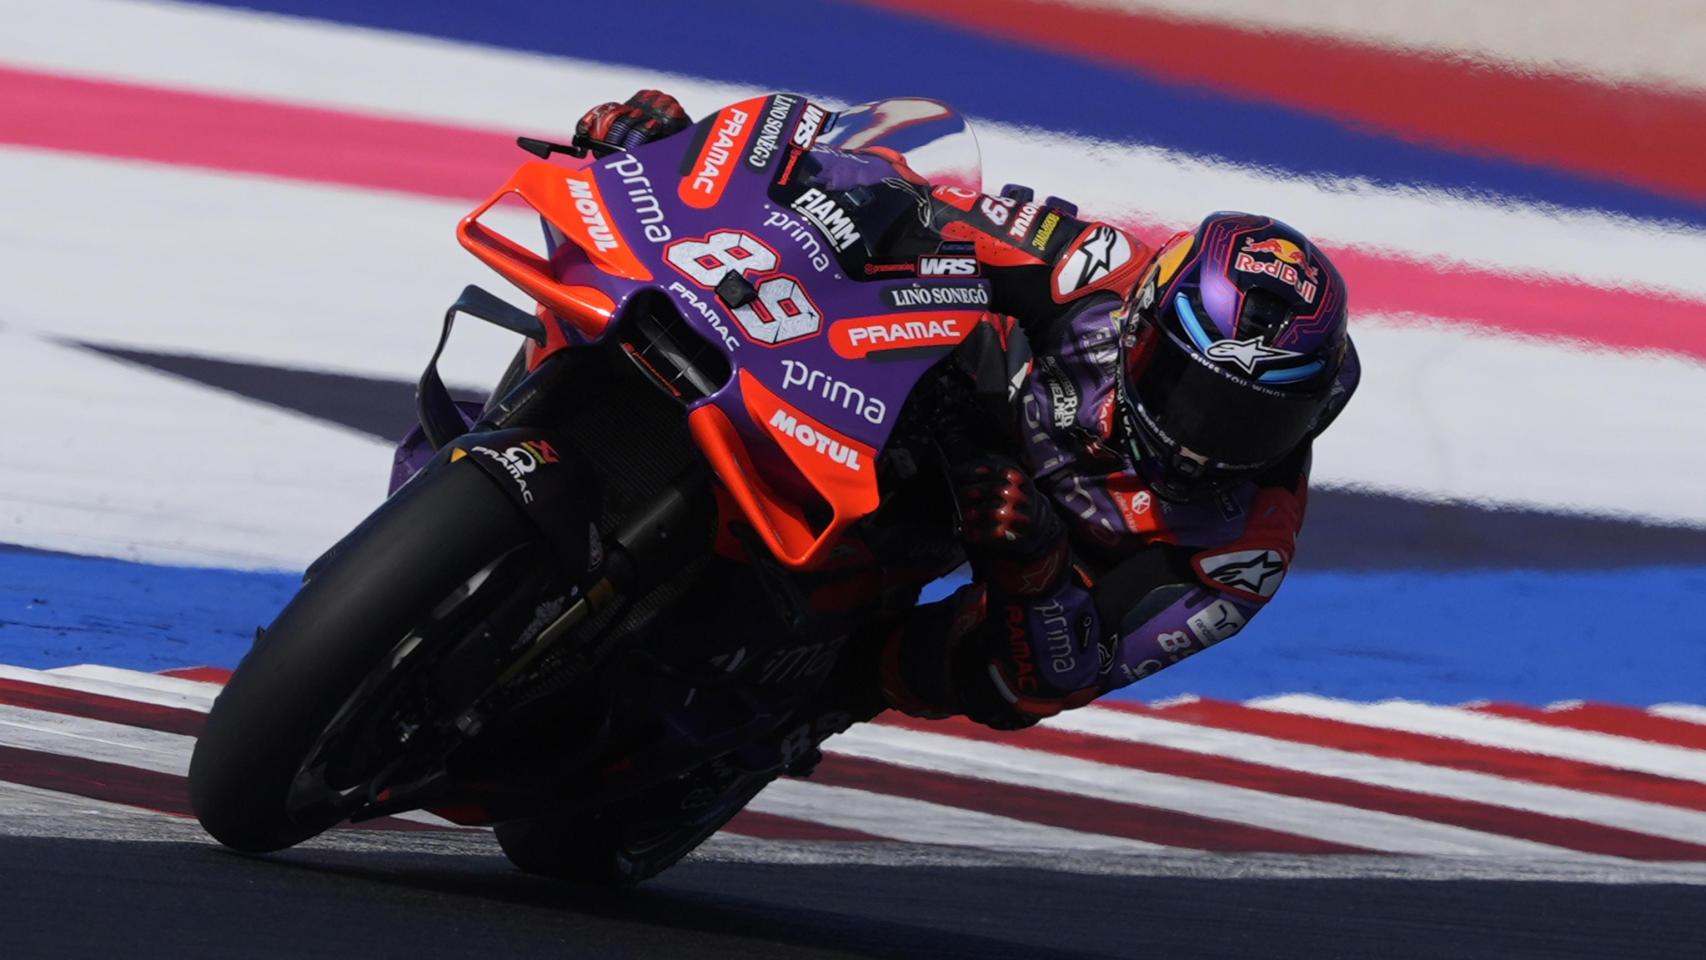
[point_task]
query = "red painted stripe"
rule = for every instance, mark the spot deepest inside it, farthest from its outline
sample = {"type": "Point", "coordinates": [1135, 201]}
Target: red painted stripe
{"type": "Point", "coordinates": [1439, 751]}
{"type": "Point", "coordinates": [92, 706]}
{"type": "Point", "coordinates": [130, 786]}
{"type": "Point", "coordinates": [204, 674]}
{"type": "Point", "coordinates": [1608, 718]}
{"type": "Point", "coordinates": [251, 136]}
{"type": "Point", "coordinates": [326, 146]}
{"type": "Point", "coordinates": [1412, 291]}
{"type": "Point", "coordinates": [1601, 130]}
{"type": "Point", "coordinates": [1086, 814]}
{"type": "Point", "coordinates": [1487, 818]}
{"type": "Point", "coordinates": [769, 826]}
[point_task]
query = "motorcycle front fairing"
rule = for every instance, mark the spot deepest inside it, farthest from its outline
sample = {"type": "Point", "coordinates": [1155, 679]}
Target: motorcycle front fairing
{"type": "Point", "coordinates": [815, 351]}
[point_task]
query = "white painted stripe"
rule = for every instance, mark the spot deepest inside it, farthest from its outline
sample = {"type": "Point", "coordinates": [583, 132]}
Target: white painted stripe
{"type": "Point", "coordinates": [70, 736]}
{"type": "Point", "coordinates": [119, 744]}
{"type": "Point", "coordinates": [1441, 415]}
{"type": "Point", "coordinates": [1498, 420]}
{"type": "Point", "coordinates": [251, 268]}
{"type": "Point", "coordinates": [229, 52]}
{"type": "Point", "coordinates": [192, 694]}
{"type": "Point", "coordinates": [1336, 823]}
{"type": "Point", "coordinates": [918, 821]}
{"type": "Point", "coordinates": [1622, 753]}
{"type": "Point", "coordinates": [1644, 41]}
{"type": "Point", "coordinates": [1654, 819]}
{"type": "Point", "coordinates": [141, 466]}
{"type": "Point", "coordinates": [120, 687]}
{"type": "Point", "coordinates": [1680, 711]}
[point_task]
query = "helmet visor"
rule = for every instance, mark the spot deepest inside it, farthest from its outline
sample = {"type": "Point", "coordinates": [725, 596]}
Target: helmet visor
{"type": "Point", "coordinates": [1194, 403]}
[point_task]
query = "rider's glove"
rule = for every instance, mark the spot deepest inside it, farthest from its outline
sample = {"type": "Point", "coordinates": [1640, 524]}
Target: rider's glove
{"type": "Point", "coordinates": [1013, 537]}
{"type": "Point", "coordinates": [646, 116]}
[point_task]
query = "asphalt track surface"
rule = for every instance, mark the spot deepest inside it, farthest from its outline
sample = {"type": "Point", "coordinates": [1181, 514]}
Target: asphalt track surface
{"type": "Point", "coordinates": [178, 895]}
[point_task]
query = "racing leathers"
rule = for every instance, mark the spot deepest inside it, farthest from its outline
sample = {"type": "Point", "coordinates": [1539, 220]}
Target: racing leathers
{"type": "Point", "coordinates": [1084, 579]}
{"type": "Point", "coordinates": [1139, 583]}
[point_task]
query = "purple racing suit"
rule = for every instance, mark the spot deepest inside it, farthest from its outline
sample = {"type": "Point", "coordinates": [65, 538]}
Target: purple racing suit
{"type": "Point", "coordinates": [1151, 581]}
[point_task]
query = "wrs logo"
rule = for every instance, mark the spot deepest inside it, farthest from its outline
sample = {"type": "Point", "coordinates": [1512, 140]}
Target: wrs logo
{"type": "Point", "coordinates": [936, 265]}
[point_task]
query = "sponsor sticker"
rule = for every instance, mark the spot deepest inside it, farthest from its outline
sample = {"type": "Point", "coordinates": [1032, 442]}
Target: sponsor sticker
{"type": "Point", "coordinates": [520, 460]}
{"type": "Point", "coordinates": [816, 439]}
{"type": "Point", "coordinates": [806, 131]}
{"type": "Point", "coordinates": [705, 181]}
{"type": "Point", "coordinates": [1215, 622]}
{"type": "Point", "coordinates": [1062, 394]}
{"type": "Point", "coordinates": [941, 265]}
{"type": "Point", "coordinates": [798, 375]}
{"type": "Point", "coordinates": [641, 196]}
{"type": "Point", "coordinates": [1045, 230]}
{"type": "Point", "coordinates": [1097, 255]}
{"type": "Point", "coordinates": [1257, 573]}
{"type": "Point", "coordinates": [1288, 264]}
{"type": "Point", "coordinates": [1247, 353]}
{"type": "Point", "coordinates": [769, 136]}
{"type": "Point", "coordinates": [861, 336]}
{"type": "Point", "coordinates": [1022, 221]}
{"type": "Point", "coordinates": [939, 295]}
{"type": "Point", "coordinates": [804, 236]}
{"type": "Point", "coordinates": [826, 214]}
{"type": "Point", "coordinates": [592, 230]}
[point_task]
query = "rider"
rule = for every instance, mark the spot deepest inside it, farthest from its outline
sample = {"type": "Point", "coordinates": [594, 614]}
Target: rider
{"type": "Point", "coordinates": [1147, 500]}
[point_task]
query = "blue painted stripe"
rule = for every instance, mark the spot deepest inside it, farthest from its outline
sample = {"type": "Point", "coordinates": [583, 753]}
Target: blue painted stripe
{"type": "Point", "coordinates": [862, 54]}
{"type": "Point", "coordinates": [1624, 636]}
{"type": "Point", "coordinates": [57, 609]}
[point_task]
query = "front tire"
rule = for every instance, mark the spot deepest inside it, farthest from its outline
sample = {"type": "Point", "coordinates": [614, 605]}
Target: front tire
{"type": "Point", "coordinates": [385, 578]}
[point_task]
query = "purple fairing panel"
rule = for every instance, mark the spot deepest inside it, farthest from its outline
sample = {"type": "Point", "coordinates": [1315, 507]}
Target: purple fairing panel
{"type": "Point", "coordinates": [414, 452]}
{"type": "Point", "coordinates": [788, 339]}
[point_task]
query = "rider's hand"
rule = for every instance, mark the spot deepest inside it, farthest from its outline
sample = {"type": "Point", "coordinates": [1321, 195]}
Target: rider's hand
{"type": "Point", "coordinates": [1013, 537]}
{"type": "Point", "coordinates": [646, 116]}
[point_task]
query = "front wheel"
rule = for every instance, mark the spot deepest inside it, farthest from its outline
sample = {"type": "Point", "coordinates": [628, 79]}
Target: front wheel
{"type": "Point", "coordinates": [439, 531]}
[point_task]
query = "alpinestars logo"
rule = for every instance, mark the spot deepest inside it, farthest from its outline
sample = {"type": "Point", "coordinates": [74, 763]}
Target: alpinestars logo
{"type": "Point", "coordinates": [1247, 353]}
{"type": "Point", "coordinates": [1098, 255]}
{"type": "Point", "coordinates": [1256, 572]}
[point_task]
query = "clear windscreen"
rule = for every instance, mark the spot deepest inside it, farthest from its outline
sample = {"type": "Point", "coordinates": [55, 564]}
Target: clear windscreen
{"type": "Point", "coordinates": [937, 142]}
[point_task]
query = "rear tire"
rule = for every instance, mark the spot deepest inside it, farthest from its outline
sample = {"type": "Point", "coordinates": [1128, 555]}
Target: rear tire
{"type": "Point", "coordinates": [387, 576]}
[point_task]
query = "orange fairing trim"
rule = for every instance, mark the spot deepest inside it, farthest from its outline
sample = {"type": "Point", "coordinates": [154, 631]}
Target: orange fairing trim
{"type": "Point", "coordinates": [570, 200]}
{"type": "Point", "coordinates": [843, 471]}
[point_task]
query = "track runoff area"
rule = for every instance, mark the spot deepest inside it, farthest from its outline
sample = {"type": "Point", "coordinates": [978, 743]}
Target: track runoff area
{"type": "Point", "coordinates": [1480, 672]}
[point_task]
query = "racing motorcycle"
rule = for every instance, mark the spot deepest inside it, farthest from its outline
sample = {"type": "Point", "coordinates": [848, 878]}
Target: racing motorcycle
{"type": "Point", "coordinates": [603, 609]}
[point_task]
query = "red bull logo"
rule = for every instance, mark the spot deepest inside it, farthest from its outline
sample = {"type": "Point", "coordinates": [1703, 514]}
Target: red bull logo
{"type": "Point", "coordinates": [1289, 264]}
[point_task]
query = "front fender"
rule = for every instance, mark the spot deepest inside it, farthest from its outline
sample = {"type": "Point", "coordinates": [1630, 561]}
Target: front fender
{"type": "Point", "coordinates": [547, 478]}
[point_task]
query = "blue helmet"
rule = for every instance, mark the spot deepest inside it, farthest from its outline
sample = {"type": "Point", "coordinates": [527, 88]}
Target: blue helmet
{"type": "Point", "coordinates": [1236, 354]}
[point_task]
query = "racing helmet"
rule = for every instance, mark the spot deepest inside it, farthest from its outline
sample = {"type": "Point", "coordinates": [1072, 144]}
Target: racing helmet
{"type": "Point", "coordinates": [1235, 354]}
